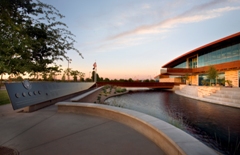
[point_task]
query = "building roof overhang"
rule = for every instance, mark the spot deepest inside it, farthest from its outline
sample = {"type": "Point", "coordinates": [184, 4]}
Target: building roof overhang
{"type": "Point", "coordinates": [234, 38]}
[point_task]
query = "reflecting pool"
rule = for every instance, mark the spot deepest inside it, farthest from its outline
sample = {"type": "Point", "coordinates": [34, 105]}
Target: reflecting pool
{"type": "Point", "coordinates": [215, 125]}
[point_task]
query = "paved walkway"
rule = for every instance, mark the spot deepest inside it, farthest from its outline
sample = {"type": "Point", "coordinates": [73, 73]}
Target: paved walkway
{"type": "Point", "coordinates": [48, 132]}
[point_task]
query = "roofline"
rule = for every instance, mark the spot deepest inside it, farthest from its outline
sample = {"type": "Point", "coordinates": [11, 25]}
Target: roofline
{"type": "Point", "coordinates": [202, 47]}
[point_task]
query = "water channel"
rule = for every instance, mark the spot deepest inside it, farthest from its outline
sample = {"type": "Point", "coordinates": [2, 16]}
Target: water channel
{"type": "Point", "coordinates": [215, 125]}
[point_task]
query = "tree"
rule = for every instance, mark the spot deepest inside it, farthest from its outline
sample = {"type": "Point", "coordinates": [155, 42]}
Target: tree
{"type": "Point", "coordinates": [88, 80]}
{"type": "Point", "coordinates": [146, 80]}
{"type": "Point", "coordinates": [55, 70]}
{"type": "Point", "coordinates": [106, 79]}
{"type": "Point", "coordinates": [81, 76]}
{"type": "Point", "coordinates": [130, 80]}
{"type": "Point", "coordinates": [100, 79]}
{"type": "Point", "coordinates": [68, 72]}
{"type": "Point", "coordinates": [50, 77]}
{"type": "Point", "coordinates": [93, 76]}
{"type": "Point", "coordinates": [44, 76]}
{"type": "Point", "coordinates": [64, 77]}
{"type": "Point", "coordinates": [74, 73]}
{"type": "Point", "coordinates": [212, 73]}
{"type": "Point", "coordinates": [31, 37]}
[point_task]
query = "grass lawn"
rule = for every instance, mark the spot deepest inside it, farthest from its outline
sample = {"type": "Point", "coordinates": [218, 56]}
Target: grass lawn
{"type": "Point", "coordinates": [4, 99]}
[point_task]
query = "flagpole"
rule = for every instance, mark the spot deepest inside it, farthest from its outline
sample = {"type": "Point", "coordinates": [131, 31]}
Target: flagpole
{"type": "Point", "coordinates": [95, 70]}
{"type": "Point", "coordinates": [95, 75]}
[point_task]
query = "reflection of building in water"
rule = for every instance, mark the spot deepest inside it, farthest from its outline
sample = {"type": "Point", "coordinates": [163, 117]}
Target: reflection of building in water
{"type": "Point", "coordinates": [223, 54]}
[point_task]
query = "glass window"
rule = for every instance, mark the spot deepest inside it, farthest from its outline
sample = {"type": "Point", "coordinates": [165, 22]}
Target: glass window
{"type": "Point", "coordinates": [215, 61]}
{"type": "Point", "coordinates": [182, 65]}
{"type": "Point", "coordinates": [190, 63]}
{"type": "Point", "coordinates": [221, 78]}
{"type": "Point", "coordinates": [227, 54]}
{"type": "Point", "coordinates": [218, 53]}
{"type": "Point", "coordinates": [235, 52]}
{"type": "Point", "coordinates": [203, 80]}
{"type": "Point", "coordinates": [228, 59]}
{"type": "Point", "coordinates": [234, 58]}
{"type": "Point", "coordinates": [224, 54]}
{"type": "Point", "coordinates": [200, 61]}
{"type": "Point", "coordinates": [213, 55]}
{"type": "Point", "coordinates": [205, 57]}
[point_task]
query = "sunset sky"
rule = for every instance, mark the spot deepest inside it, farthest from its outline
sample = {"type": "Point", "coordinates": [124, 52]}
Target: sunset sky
{"type": "Point", "coordinates": [135, 38]}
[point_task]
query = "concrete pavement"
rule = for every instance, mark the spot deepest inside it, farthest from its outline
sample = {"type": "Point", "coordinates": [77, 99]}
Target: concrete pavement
{"type": "Point", "coordinates": [48, 132]}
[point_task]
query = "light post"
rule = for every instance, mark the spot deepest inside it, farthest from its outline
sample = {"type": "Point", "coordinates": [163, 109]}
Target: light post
{"type": "Point", "coordinates": [68, 71]}
{"type": "Point", "coordinates": [90, 75]}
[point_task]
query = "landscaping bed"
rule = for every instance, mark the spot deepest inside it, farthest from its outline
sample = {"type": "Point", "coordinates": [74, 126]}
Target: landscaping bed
{"type": "Point", "coordinates": [102, 94]}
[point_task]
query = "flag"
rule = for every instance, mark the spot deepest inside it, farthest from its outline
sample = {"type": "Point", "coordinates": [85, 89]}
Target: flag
{"type": "Point", "coordinates": [94, 65]}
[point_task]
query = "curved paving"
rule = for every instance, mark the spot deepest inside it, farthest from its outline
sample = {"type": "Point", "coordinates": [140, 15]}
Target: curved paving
{"type": "Point", "coordinates": [74, 130]}
{"type": "Point", "coordinates": [48, 132]}
{"type": "Point", "coordinates": [170, 139]}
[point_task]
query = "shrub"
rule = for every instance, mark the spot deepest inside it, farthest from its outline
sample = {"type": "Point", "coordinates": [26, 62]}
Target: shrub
{"type": "Point", "coordinates": [229, 82]}
{"type": "Point", "coordinates": [205, 82]}
{"type": "Point", "coordinates": [120, 90]}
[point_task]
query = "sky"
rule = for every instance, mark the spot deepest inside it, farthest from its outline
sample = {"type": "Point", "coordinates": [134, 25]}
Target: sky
{"type": "Point", "coordinates": [135, 38]}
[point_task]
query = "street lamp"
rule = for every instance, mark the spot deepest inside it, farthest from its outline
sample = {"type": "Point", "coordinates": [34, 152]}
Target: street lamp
{"type": "Point", "coordinates": [68, 71]}
{"type": "Point", "coordinates": [90, 74]}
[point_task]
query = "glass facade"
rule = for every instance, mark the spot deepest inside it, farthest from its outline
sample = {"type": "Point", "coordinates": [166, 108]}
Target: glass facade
{"type": "Point", "coordinates": [226, 54]}
{"type": "Point", "coordinates": [203, 80]}
{"type": "Point", "coordinates": [192, 62]}
{"type": "Point", "coordinates": [182, 65]}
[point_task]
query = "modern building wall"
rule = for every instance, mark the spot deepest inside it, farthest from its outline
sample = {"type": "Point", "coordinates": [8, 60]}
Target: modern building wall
{"type": "Point", "coordinates": [223, 54]}
{"type": "Point", "coordinates": [212, 57]}
{"type": "Point", "coordinates": [232, 76]}
{"type": "Point", "coordinates": [194, 79]}
{"type": "Point", "coordinates": [176, 80]}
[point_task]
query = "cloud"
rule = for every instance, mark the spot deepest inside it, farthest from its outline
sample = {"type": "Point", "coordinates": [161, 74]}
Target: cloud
{"type": "Point", "coordinates": [224, 9]}
{"type": "Point", "coordinates": [195, 14]}
{"type": "Point", "coordinates": [146, 33]}
{"type": "Point", "coordinates": [120, 44]}
{"type": "Point", "coordinates": [146, 6]}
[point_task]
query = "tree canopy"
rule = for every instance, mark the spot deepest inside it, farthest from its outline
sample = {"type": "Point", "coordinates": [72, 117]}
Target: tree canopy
{"type": "Point", "coordinates": [212, 73]}
{"type": "Point", "coordinates": [31, 36]}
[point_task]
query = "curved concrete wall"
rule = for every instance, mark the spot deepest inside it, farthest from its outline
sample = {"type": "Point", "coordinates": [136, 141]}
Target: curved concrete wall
{"type": "Point", "coordinates": [170, 139]}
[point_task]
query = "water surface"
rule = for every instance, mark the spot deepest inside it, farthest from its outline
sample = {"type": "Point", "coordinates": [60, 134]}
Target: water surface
{"type": "Point", "coordinates": [215, 125]}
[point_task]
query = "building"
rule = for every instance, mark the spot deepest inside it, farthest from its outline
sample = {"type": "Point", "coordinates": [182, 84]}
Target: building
{"type": "Point", "coordinates": [223, 54]}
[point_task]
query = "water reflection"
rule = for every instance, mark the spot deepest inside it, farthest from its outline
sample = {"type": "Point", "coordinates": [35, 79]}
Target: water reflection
{"type": "Point", "coordinates": [217, 126]}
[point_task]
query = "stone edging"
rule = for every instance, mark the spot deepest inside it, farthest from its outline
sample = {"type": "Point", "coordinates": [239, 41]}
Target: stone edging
{"type": "Point", "coordinates": [75, 99]}
{"type": "Point", "coordinates": [178, 92]}
{"type": "Point", "coordinates": [169, 138]}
